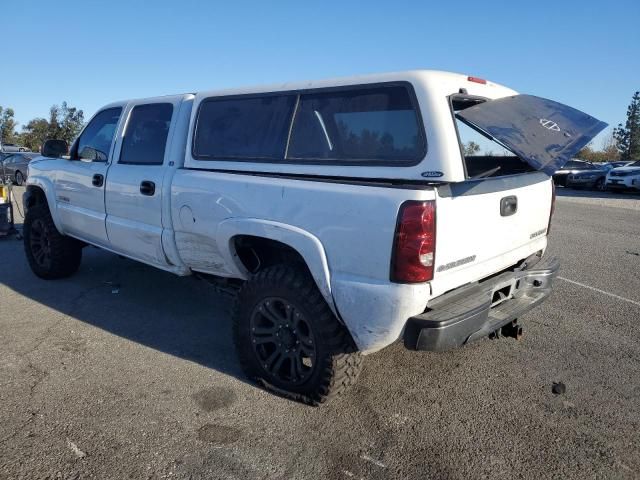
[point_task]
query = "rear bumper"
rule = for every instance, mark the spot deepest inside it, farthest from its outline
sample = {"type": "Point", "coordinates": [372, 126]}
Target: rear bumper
{"type": "Point", "coordinates": [475, 310]}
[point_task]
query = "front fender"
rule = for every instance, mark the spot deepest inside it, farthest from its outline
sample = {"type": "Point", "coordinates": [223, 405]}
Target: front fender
{"type": "Point", "coordinates": [46, 185]}
{"type": "Point", "coordinates": [305, 243]}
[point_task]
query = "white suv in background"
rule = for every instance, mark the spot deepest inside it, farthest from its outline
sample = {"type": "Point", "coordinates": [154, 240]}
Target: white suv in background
{"type": "Point", "coordinates": [624, 178]}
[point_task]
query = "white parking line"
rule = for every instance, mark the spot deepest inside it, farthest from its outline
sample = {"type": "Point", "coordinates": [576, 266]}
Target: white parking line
{"type": "Point", "coordinates": [633, 302]}
{"type": "Point", "coordinates": [377, 463]}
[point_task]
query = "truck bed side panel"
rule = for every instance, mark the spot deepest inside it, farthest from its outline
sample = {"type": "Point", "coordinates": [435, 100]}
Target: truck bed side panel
{"type": "Point", "coordinates": [354, 223]}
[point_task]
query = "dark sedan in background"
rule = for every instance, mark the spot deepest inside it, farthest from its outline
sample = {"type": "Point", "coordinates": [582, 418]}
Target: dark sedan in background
{"type": "Point", "coordinates": [14, 167]}
{"type": "Point", "coordinates": [593, 179]}
{"type": "Point", "coordinates": [581, 174]}
{"type": "Point", "coordinates": [572, 166]}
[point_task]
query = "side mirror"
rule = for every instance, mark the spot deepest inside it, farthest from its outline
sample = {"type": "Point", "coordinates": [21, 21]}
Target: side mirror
{"type": "Point", "coordinates": [54, 148]}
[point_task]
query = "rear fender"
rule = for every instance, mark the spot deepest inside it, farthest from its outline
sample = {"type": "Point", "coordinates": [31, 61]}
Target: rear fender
{"type": "Point", "coordinates": [306, 244]}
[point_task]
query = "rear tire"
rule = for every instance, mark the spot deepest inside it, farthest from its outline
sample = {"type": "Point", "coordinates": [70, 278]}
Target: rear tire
{"type": "Point", "coordinates": [19, 178]}
{"type": "Point", "coordinates": [50, 254]}
{"type": "Point", "coordinates": [288, 339]}
{"type": "Point", "coordinates": [599, 185]}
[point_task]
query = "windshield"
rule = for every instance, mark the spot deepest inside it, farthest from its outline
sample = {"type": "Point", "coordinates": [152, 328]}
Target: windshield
{"type": "Point", "coordinates": [574, 165]}
{"type": "Point", "coordinates": [634, 164]}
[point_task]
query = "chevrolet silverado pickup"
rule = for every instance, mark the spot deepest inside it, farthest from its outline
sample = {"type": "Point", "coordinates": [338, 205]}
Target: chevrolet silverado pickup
{"type": "Point", "coordinates": [348, 214]}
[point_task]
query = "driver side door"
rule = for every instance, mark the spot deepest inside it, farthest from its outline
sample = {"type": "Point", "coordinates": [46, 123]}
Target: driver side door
{"type": "Point", "coordinates": [79, 184]}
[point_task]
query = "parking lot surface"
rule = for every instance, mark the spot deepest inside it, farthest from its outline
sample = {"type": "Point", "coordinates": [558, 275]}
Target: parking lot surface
{"type": "Point", "coordinates": [124, 371]}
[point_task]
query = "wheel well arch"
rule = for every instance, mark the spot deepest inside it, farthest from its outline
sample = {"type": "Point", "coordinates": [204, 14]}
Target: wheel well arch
{"type": "Point", "coordinates": [241, 240]}
{"type": "Point", "coordinates": [34, 196]}
{"type": "Point", "coordinates": [40, 192]}
{"type": "Point", "coordinates": [256, 253]}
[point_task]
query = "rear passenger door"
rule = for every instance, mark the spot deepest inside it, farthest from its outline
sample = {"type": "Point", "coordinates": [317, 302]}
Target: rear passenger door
{"type": "Point", "coordinates": [134, 189]}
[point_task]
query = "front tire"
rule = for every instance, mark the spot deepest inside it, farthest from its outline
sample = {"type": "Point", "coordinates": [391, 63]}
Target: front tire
{"type": "Point", "coordinates": [289, 340]}
{"type": "Point", "coordinates": [50, 254]}
{"type": "Point", "coordinates": [19, 178]}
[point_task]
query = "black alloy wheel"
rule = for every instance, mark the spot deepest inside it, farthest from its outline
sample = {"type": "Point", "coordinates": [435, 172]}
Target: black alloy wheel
{"type": "Point", "coordinates": [283, 340]}
{"type": "Point", "coordinates": [40, 243]}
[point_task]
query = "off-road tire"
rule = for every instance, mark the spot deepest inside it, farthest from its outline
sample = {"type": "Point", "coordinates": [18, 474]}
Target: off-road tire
{"type": "Point", "coordinates": [63, 253]}
{"type": "Point", "coordinates": [337, 362]}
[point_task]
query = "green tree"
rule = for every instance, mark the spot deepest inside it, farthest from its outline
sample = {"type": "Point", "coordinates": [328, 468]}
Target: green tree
{"type": "Point", "coordinates": [471, 148]}
{"type": "Point", "coordinates": [610, 148]}
{"type": "Point", "coordinates": [608, 153]}
{"type": "Point", "coordinates": [628, 136]}
{"type": "Point", "coordinates": [35, 133]}
{"type": "Point", "coordinates": [64, 123]}
{"type": "Point", "coordinates": [7, 125]}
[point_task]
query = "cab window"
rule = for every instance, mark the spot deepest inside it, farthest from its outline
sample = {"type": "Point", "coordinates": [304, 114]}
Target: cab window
{"type": "Point", "coordinates": [146, 136]}
{"type": "Point", "coordinates": [95, 141]}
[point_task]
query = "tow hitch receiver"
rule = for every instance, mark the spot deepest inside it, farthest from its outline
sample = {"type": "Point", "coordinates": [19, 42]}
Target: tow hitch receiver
{"type": "Point", "coordinates": [511, 329]}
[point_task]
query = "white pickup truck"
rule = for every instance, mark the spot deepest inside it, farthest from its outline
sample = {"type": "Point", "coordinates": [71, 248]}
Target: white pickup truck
{"type": "Point", "coordinates": [349, 213]}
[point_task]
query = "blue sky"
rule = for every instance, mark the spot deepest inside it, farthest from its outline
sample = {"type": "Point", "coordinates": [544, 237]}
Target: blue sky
{"type": "Point", "coordinates": [89, 53]}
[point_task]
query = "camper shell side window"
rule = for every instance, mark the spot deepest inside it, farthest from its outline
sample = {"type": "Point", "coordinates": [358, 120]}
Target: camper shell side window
{"type": "Point", "coordinates": [374, 124]}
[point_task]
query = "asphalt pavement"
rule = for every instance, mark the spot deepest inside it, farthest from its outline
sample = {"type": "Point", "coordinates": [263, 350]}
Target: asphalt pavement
{"type": "Point", "coordinates": [124, 371]}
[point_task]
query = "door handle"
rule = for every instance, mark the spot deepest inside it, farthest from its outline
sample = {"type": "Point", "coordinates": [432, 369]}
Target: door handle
{"type": "Point", "coordinates": [147, 188]}
{"type": "Point", "coordinates": [97, 180]}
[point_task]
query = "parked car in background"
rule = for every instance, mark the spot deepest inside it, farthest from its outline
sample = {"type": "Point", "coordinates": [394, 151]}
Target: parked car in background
{"type": "Point", "coordinates": [611, 165]}
{"type": "Point", "coordinates": [572, 167]}
{"type": "Point", "coordinates": [593, 177]}
{"type": "Point", "coordinates": [624, 178]}
{"type": "Point", "coordinates": [12, 147]}
{"type": "Point", "coordinates": [15, 166]}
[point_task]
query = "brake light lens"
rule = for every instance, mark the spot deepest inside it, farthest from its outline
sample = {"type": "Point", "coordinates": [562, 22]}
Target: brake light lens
{"type": "Point", "coordinates": [414, 247]}
{"type": "Point", "coordinates": [553, 205]}
{"type": "Point", "coordinates": [477, 80]}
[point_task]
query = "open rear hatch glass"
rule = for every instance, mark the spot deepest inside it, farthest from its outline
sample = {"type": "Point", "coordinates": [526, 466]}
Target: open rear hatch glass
{"type": "Point", "coordinates": [544, 133]}
{"type": "Point", "coordinates": [501, 212]}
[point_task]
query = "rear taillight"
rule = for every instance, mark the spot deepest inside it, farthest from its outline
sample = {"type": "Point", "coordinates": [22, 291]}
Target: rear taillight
{"type": "Point", "coordinates": [414, 246]}
{"type": "Point", "coordinates": [553, 205]}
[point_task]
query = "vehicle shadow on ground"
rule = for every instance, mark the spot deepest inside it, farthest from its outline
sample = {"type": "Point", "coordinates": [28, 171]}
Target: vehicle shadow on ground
{"type": "Point", "coordinates": [582, 193]}
{"type": "Point", "coordinates": [180, 316]}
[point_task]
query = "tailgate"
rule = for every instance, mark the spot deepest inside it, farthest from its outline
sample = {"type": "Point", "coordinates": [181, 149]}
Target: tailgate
{"type": "Point", "coordinates": [488, 225]}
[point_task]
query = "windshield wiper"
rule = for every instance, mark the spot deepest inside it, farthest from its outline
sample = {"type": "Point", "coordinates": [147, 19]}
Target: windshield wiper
{"type": "Point", "coordinates": [488, 173]}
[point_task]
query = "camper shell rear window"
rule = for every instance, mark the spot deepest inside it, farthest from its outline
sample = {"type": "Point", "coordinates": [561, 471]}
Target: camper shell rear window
{"type": "Point", "coordinates": [377, 124]}
{"type": "Point", "coordinates": [482, 155]}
